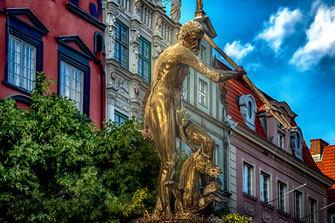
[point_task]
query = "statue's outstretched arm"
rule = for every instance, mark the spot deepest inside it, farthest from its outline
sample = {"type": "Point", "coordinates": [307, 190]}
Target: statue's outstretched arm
{"type": "Point", "coordinates": [193, 61]}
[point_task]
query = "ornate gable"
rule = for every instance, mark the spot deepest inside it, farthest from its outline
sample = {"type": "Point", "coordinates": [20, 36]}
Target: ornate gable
{"type": "Point", "coordinates": [76, 44]}
{"type": "Point", "coordinates": [26, 17]}
{"type": "Point", "coordinates": [207, 24]}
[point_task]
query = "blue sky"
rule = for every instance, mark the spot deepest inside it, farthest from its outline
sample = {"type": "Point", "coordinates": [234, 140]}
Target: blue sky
{"type": "Point", "coordinates": [287, 48]}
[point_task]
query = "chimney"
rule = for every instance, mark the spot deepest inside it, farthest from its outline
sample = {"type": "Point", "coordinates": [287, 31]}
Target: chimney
{"type": "Point", "coordinates": [317, 146]}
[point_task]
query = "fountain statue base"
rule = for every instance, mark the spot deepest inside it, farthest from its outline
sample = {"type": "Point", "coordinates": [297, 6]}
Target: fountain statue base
{"type": "Point", "coordinates": [209, 219]}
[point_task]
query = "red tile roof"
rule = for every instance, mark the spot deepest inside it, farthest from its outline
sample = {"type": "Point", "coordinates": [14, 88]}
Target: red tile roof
{"type": "Point", "coordinates": [327, 167]}
{"type": "Point", "coordinates": [237, 87]}
{"type": "Point", "coordinates": [306, 155]}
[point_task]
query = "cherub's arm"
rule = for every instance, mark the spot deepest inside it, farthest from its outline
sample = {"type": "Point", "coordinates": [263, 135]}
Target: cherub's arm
{"type": "Point", "coordinates": [189, 58]}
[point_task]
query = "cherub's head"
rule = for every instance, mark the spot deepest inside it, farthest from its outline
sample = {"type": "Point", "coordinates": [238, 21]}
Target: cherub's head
{"type": "Point", "coordinates": [190, 35]}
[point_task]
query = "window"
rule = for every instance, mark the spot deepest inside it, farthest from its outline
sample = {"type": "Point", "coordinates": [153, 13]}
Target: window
{"type": "Point", "coordinates": [265, 187]}
{"type": "Point", "coordinates": [296, 142]}
{"type": "Point", "coordinates": [144, 60]}
{"type": "Point", "coordinates": [297, 204]}
{"type": "Point", "coordinates": [203, 53]}
{"type": "Point", "coordinates": [71, 84]}
{"type": "Point", "coordinates": [216, 154]}
{"type": "Point", "coordinates": [203, 89]}
{"type": "Point", "coordinates": [312, 210]}
{"type": "Point", "coordinates": [332, 219]}
{"type": "Point", "coordinates": [282, 196]}
{"type": "Point", "coordinates": [247, 179]}
{"type": "Point", "coordinates": [21, 63]}
{"type": "Point", "coordinates": [24, 48]}
{"type": "Point", "coordinates": [98, 42]}
{"type": "Point", "coordinates": [280, 140]}
{"type": "Point", "coordinates": [248, 109]}
{"type": "Point", "coordinates": [74, 71]}
{"type": "Point", "coordinates": [121, 44]}
{"type": "Point", "coordinates": [119, 117]}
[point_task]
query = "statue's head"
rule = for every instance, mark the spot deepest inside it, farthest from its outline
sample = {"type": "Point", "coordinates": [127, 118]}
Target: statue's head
{"type": "Point", "coordinates": [190, 35]}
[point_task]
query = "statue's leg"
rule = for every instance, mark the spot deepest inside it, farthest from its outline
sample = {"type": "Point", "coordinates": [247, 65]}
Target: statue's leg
{"type": "Point", "coordinates": [162, 127]}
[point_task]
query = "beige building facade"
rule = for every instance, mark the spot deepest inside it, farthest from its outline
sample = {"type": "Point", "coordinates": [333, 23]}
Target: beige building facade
{"type": "Point", "coordinates": [137, 32]}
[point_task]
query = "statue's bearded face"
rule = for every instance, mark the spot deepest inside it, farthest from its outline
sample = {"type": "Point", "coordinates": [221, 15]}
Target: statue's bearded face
{"type": "Point", "coordinates": [192, 42]}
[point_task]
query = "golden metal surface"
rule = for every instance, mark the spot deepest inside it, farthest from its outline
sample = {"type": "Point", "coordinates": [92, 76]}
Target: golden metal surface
{"type": "Point", "coordinates": [160, 104]}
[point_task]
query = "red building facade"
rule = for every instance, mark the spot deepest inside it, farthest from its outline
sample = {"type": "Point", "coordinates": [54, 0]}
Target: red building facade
{"type": "Point", "coordinates": [63, 38]}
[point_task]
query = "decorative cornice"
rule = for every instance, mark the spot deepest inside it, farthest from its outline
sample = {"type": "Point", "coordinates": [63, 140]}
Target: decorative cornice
{"type": "Point", "coordinates": [284, 105]}
{"type": "Point", "coordinates": [84, 15]}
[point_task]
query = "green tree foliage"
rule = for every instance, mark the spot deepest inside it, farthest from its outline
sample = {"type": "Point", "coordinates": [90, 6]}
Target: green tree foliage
{"type": "Point", "coordinates": [236, 218]}
{"type": "Point", "coordinates": [55, 166]}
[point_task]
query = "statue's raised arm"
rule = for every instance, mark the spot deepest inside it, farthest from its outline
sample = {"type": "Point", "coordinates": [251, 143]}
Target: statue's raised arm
{"type": "Point", "coordinates": [190, 36]}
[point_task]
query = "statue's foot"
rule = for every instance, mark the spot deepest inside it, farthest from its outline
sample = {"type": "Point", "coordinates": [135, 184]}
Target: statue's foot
{"type": "Point", "coordinates": [161, 215]}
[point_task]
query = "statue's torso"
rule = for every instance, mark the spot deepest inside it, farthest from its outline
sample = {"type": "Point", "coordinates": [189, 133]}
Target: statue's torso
{"type": "Point", "coordinates": [168, 77]}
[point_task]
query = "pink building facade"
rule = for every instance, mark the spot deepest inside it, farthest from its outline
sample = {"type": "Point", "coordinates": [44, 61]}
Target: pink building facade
{"type": "Point", "coordinates": [273, 177]}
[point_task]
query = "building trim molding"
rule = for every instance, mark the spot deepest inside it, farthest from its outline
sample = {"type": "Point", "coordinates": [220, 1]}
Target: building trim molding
{"type": "Point", "coordinates": [85, 16]}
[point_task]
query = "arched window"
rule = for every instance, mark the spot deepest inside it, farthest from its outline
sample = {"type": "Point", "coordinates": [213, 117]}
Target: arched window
{"type": "Point", "coordinates": [248, 110]}
{"type": "Point", "coordinates": [98, 42]}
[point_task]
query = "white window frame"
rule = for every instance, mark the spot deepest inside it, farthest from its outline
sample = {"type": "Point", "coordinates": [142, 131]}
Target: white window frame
{"type": "Point", "coordinates": [203, 92]}
{"type": "Point", "coordinates": [297, 213]}
{"type": "Point", "coordinates": [280, 140]}
{"type": "Point", "coordinates": [282, 197]}
{"type": "Point", "coordinates": [203, 53]}
{"type": "Point", "coordinates": [248, 179]}
{"type": "Point", "coordinates": [74, 89]}
{"type": "Point", "coordinates": [312, 210]}
{"type": "Point", "coordinates": [265, 192]}
{"type": "Point", "coordinates": [24, 74]}
{"type": "Point", "coordinates": [216, 154]}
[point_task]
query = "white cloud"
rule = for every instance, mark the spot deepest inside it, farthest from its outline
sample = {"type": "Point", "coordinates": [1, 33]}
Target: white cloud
{"type": "Point", "coordinates": [320, 39]}
{"type": "Point", "coordinates": [281, 25]}
{"type": "Point", "coordinates": [238, 51]}
{"type": "Point", "coordinates": [253, 66]}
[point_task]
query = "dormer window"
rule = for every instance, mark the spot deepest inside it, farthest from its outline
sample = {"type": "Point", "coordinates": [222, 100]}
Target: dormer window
{"type": "Point", "coordinates": [280, 140]}
{"type": "Point", "coordinates": [296, 141]}
{"type": "Point", "coordinates": [248, 110]}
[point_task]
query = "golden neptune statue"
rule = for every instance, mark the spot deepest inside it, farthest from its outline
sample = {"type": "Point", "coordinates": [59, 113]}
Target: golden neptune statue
{"type": "Point", "coordinates": [164, 120]}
